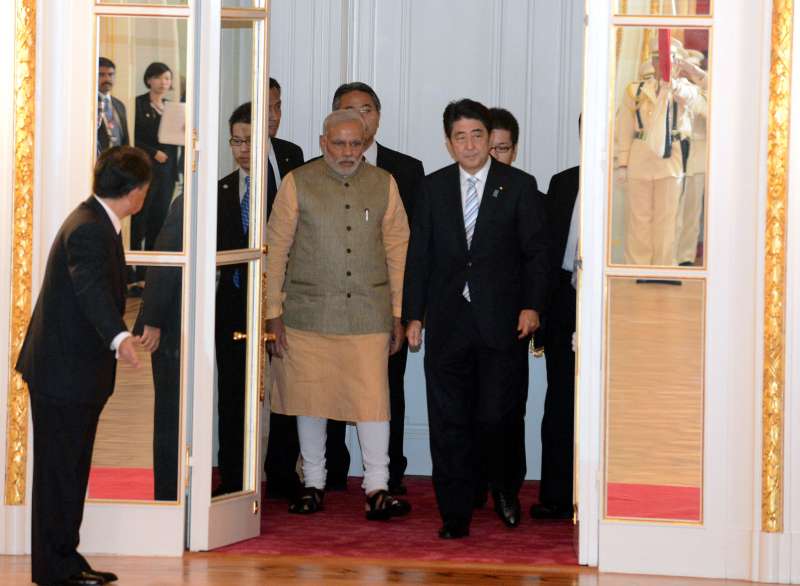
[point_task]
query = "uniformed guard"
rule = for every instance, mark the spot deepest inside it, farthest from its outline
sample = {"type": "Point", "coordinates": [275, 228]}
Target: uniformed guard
{"type": "Point", "coordinates": [654, 118]}
{"type": "Point", "coordinates": [695, 184]}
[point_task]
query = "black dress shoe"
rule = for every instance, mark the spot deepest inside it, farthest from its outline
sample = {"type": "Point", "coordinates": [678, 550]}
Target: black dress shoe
{"type": "Point", "coordinates": [540, 511]}
{"type": "Point", "coordinates": [507, 508]}
{"type": "Point", "coordinates": [397, 488]}
{"type": "Point", "coordinates": [106, 576]}
{"type": "Point", "coordinates": [454, 530]}
{"type": "Point", "coordinates": [82, 578]}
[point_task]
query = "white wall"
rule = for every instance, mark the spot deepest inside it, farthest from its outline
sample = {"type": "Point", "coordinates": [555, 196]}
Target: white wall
{"type": "Point", "coordinates": [524, 55]}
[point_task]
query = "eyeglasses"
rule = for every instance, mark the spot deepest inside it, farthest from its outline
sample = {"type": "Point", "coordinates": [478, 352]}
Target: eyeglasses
{"type": "Point", "coordinates": [237, 142]}
{"type": "Point", "coordinates": [501, 148]}
{"type": "Point", "coordinates": [363, 109]}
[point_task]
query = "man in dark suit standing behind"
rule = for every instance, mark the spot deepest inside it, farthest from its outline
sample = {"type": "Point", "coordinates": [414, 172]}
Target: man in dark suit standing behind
{"type": "Point", "coordinates": [283, 154]}
{"type": "Point", "coordinates": [555, 491]}
{"type": "Point", "coordinates": [476, 273]}
{"type": "Point", "coordinates": [69, 360]}
{"type": "Point", "coordinates": [407, 172]}
{"type": "Point", "coordinates": [112, 117]}
{"type": "Point", "coordinates": [283, 446]}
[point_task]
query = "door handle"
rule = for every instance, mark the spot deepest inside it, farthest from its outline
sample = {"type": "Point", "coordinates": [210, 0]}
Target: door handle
{"type": "Point", "coordinates": [266, 337]}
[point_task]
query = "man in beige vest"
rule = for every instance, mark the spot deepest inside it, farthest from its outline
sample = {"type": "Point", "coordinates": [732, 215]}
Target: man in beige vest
{"type": "Point", "coordinates": [337, 238]}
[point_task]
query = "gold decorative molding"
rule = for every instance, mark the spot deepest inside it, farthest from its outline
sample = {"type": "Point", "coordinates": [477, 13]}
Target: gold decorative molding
{"type": "Point", "coordinates": [22, 245]}
{"type": "Point", "coordinates": [775, 267]}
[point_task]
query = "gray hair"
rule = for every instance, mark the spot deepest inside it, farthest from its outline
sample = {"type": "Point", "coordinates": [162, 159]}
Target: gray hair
{"type": "Point", "coordinates": [340, 116]}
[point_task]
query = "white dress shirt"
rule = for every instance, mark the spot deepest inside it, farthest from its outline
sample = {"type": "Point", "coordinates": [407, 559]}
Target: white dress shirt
{"type": "Point", "coordinates": [571, 250]}
{"type": "Point", "coordinates": [481, 175]}
{"type": "Point", "coordinates": [274, 160]}
{"type": "Point", "coordinates": [117, 227]}
{"type": "Point", "coordinates": [371, 154]}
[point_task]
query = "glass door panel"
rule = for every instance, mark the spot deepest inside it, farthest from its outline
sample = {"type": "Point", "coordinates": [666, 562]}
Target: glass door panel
{"type": "Point", "coordinates": [654, 399]}
{"type": "Point", "coordinates": [664, 7]}
{"type": "Point", "coordinates": [141, 97]}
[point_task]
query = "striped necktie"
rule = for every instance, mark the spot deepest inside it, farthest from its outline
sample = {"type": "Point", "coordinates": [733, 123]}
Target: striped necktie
{"type": "Point", "coordinates": [471, 205]}
{"type": "Point", "coordinates": [245, 205]}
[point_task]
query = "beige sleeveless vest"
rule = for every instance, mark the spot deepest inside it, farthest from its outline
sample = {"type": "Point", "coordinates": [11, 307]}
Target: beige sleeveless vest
{"type": "Point", "coordinates": [337, 281]}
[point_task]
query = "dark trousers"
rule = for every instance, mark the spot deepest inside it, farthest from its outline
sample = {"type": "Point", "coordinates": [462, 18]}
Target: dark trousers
{"type": "Point", "coordinates": [559, 404]}
{"type": "Point", "coordinates": [283, 449]}
{"type": "Point", "coordinates": [147, 223]}
{"type": "Point", "coordinates": [166, 363]}
{"type": "Point", "coordinates": [336, 455]}
{"type": "Point", "coordinates": [474, 396]}
{"type": "Point", "coordinates": [231, 316]}
{"type": "Point", "coordinates": [231, 366]}
{"type": "Point", "coordinates": [63, 439]}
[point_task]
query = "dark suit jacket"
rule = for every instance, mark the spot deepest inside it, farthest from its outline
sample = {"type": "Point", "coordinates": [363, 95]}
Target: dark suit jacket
{"type": "Point", "coordinates": [67, 353]}
{"type": "Point", "coordinates": [507, 265]}
{"type": "Point", "coordinates": [161, 300]}
{"type": "Point", "coordinates": [231, 311]}
{"type": "Point", "coordinates": [102, 133]}
{"type": "Point", "coordinates": [289, 157]}
{"type": "Point", "coordinates": [561, 196]}
{"type": "Point", "coordinates": [407, 172]}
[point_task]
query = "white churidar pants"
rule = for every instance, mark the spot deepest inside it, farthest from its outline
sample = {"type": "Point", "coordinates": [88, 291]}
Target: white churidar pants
{"type": "Point", "coordinates": [373, 437]}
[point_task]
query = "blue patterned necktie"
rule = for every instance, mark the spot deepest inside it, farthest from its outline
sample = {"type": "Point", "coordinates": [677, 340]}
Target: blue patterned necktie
{"type": "Point", "coordinates": [471, 205]}
{"type": "Point", "coordinates": [245, 205]}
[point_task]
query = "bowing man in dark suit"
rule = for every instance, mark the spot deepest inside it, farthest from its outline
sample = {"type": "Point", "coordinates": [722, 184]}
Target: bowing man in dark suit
{"type": "Point", "coordinates": [407, 172]}
{"type": "Point", "coordinates": [69, 360]}
{"type": "Point", "coordinates": [555, 491]}
{"type": "Point", "coordinates": [283, 447]}
{"type": "Point", "coordinates": [476, 273]}
{"type": "Point", "coordinates": [160, 318]}
{"type": "Point", "coordinates": [112, 117]}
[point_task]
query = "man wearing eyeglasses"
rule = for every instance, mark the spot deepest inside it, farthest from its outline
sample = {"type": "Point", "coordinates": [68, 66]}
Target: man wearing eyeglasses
{"type": "Point", "coordinates": [233, 224]}
{"type": "Point", "coordinates": [407, 172]}
{"type": "Point", "coordinates": [504, 137]}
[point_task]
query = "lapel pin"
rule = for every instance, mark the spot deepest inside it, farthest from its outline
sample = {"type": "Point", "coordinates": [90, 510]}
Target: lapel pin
{"type": "Point", "coordinates": [224, 186]}
{"type": "Point", "coordinates": [496, 192]}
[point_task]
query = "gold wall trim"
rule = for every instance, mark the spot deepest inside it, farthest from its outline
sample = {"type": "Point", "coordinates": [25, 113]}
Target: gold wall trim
{"type": "Point", "coordinates": [22, 246]}
{"type": "Point", "coordinates": [775, 267]}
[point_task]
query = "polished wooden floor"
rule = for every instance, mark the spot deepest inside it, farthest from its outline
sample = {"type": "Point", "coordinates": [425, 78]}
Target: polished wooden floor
{"type": "Point", "coordinates": [210, 569]}
{"type": "Point", "coordinates": [125, 431]}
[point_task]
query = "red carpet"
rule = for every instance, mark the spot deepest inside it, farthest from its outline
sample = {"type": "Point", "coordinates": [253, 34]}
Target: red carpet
{"type": "Point", "coordinates": [648, 501]}
{"type": "Point", "coordinates": [342, 531]}
{"type": "Point", "coordinates": [130, 484]}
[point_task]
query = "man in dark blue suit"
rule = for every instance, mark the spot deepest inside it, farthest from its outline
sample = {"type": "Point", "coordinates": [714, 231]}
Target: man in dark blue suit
{"type": "Point", "coordinates": [476, 273]}
{"type": "Point", "coordinates": [69, 360]}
